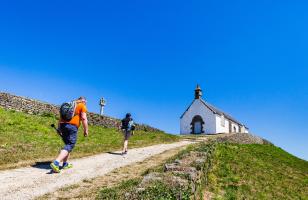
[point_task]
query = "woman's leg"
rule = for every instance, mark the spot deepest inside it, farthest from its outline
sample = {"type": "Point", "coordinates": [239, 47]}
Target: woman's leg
{"type": "Point", "coordinates": [125, 145]}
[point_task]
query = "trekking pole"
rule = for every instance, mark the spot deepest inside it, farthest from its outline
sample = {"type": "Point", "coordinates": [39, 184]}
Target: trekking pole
{"type": "Point", "coordinates": [58, 131]}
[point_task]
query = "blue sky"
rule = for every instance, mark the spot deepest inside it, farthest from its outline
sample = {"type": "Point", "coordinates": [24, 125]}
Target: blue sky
{"type": "Point", "coordinates": [146, 57]}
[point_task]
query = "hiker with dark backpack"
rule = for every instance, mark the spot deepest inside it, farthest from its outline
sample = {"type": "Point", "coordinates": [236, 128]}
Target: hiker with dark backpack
{"type": "Point", "coordinates": [127, 128]}
{"type": "Point", "coordinates": [71, 114]}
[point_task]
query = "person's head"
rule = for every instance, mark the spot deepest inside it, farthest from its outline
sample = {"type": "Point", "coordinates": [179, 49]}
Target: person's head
{"type": "Point", "coordinates": [128, 115]}
{"type": "Point", "coordinates": [82, 100]}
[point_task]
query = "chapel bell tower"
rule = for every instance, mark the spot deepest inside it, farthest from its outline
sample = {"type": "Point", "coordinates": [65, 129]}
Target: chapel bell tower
{"type": "Point", "coordinates": [198, 92]}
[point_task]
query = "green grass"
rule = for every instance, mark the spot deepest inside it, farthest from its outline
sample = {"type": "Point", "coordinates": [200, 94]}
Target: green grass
{"type": "Point", "coordinates": [257, 172]}
{"type": "Point", "coordinates": [237, 171]}
{"type": "Point", "coordinates": [118, 192]}
{"type": "Point", "coordinates": [158, 190]}
{"type": "Point", "coordinates": [26, 139]}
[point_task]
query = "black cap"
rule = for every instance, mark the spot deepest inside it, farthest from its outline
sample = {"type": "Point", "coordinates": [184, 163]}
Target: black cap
{"type": "Point", "coordinates": [128, 115]}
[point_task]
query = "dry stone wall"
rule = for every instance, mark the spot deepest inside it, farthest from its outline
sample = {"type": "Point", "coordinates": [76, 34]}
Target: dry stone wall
{"type": "Point", "coordinates": [243, 138]}
{"type": "Point", "coordinates": [32, 106]}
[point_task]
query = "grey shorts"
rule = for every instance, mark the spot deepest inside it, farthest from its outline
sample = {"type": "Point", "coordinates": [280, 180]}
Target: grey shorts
{"type": "Point", "coordinates": [127, 134]}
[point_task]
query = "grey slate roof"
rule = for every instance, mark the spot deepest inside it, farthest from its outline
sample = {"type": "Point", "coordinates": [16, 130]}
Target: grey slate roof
{"type": "Point", "coordinates": [215, 111]}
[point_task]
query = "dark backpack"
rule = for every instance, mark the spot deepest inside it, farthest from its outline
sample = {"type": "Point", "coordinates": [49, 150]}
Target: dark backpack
{"type": "Point", "coordinates": [67, 110]}
{"type": "Point", "coordinates": [125, 123]}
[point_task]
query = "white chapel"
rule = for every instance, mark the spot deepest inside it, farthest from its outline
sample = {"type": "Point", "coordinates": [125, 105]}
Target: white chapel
{"type": "Point", "coordinates": [203, 118]}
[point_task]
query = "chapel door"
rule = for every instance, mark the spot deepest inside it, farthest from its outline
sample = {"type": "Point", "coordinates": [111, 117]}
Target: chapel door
{"type": "Point", "coordinates": [197, 127]}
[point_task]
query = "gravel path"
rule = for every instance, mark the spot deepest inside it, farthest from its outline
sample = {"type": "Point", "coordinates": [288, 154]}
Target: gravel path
{"type": "Point", "coordinates": [31, 182]}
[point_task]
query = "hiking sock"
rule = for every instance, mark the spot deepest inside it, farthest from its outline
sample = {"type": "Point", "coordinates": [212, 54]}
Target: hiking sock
{"type": "Point", "coordinates": [56, 163]}
{"type": "Point", "coordinates": [65, 164]}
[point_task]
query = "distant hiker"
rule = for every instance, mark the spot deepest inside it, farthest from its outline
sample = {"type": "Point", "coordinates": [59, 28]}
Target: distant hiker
{"type": "Point", "coordinates": [70, 116]}
{"type": "Point", "coordinates": [128, 128]}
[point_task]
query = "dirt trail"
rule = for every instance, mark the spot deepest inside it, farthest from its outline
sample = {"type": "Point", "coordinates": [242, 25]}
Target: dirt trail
{"type": "Point", "coordinates": [89, 189]}
{"type": "Point", "coordinates": [32, 182]}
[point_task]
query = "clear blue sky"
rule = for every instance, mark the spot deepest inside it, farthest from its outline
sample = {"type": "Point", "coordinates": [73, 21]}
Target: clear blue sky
{"type": "Point", "coordinates": [146, 57]}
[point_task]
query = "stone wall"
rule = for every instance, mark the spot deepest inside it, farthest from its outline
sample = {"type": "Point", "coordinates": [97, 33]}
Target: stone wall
{"type": "Point", "coordinates": [182, 178]}
{"type": "Point", "coordinates": [31, 106]}
{"type": "Point", "coordinates": [243, 138]}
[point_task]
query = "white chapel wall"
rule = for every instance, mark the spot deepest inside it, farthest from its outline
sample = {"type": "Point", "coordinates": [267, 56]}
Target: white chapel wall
{"type": "Point", "coordinates": [244, 129]}
{"type": "Point", "coordinates": [234, 128]}
{"type": "Point", "coordinates": [219, 127]}
{"type": "Point", "coordinates": [198, 108]}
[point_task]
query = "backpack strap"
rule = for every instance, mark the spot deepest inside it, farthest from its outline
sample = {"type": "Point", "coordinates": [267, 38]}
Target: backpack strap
{"type": "Point", "coordinates": [75, 106]}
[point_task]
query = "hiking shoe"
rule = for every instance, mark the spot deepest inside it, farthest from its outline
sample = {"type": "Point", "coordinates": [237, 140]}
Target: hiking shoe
{"type": "Point", "coordinates": [55, 168]}
{"type": "Point", "coordinates": [67, 166]}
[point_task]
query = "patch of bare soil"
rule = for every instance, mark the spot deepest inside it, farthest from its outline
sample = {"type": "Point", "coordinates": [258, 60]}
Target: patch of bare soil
{"type": "Point", "coordinates": [207, 195]}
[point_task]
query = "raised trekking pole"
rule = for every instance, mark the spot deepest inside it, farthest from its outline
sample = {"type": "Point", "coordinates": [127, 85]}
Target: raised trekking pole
{"type": "Point", "coordinates": [58, 131]}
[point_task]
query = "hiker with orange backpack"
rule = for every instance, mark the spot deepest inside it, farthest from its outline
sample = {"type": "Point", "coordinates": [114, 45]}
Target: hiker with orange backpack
{"type": "Point", "coordinates": [71, 114]}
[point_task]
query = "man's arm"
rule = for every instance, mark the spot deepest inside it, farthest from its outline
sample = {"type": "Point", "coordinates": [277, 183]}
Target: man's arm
{"type": "Point", "coordinates": [84, 121]}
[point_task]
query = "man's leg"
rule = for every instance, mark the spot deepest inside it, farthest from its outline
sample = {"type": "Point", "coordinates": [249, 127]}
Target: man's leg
{"type": "Point", "coordinates": [69, 138]}
{"type": "Point", "coordinates": [70, 144]}
{"type": "Point", "coordinates": [55, 165]}
{"type": "Point", "coordinates": [66, 158]}
{"type": "Point", "coordinates": [66, 165]}
{"type": "Point", "coordinates": [62, 156]}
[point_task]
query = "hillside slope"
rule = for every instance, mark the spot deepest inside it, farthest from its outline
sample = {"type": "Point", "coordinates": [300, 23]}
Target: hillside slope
{"type": "Point", "coordinates": [254, 171]}
{"type": "Point", "coordinates": [223, 168]}
{"type": "Point", "coordinates": [26, 139]}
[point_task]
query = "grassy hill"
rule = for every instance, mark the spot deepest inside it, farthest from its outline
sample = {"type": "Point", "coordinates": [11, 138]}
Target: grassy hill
{"type": "Point", "coordinates": [26, 139]}
{"type": "Point", "coordinates": [254, 171]}
{"type": "Point", "coordinates": [229, 171]}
